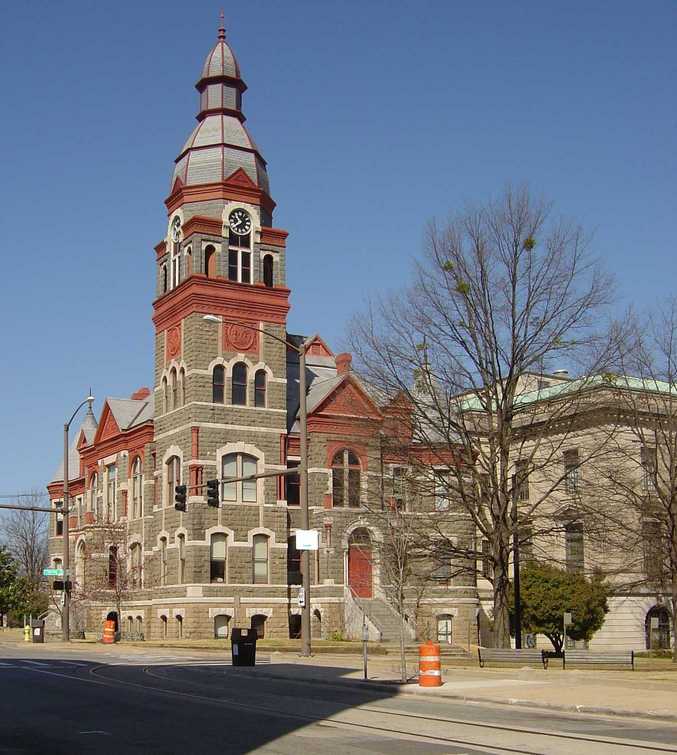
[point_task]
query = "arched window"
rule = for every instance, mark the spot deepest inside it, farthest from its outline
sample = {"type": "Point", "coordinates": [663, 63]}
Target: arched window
{"type": "Point", "coordinates": [135, 565]}
{"type": "Point", "coordinates": [238, 465]}
{"type": "Point", "coordinates": [188, 261]}
{"type": "Point", "coordinates": [221, 623]}
{"type": "Point", "coordinates": [163, 620]}
{"type": "Point", "coordinates": [260, 559]}
{"type": "Point", "coordinates": [80, 555]}
{"type": "Point", "coordinates": [111, 491]}
{"type": "Point", "coordinates": [345, 472]}
{"type": "Point", "coordinates": [179, 627]}
{"type": "Point", "coordinates": [259, 624]}
{"type": "Point", "coordinates": [112, 566]}
{"type": "Point", "coordinates": [182, 387]}
{"type": "Point", "coordinates": [210, 261]}
{"type": "Point", "coordinates": [139, 627]}
{"type": "Point", "coordinates": [444, 628]}
{"type": "Point", "coordinates": [218, 384]}
{"type": "Point", "coordinates": [217, 557]}
{"type": "Point", "coordinates": [165, 395]}
{"type": "Point", "coordinates": [163, 560]}
{"type": "Point", "coordinates": [658, 628]}
{"type": "Point", "coordinates": [93, 494]}
{"type": "Point", "coordinates": [181, 544]}
{"type": "Point", "coordinates": [165, 282]}
{"type": "Point", "coordinates": [173, 470]}
{"type": "Point", "coordinates": [239, 384]}
{"type": "Point", "coordinates": [173, 388]}
{"type": "Point", "coordinates": [137, 488]}
{"type": "Point", "coordinates": [260, 388]}
{"type": "Point", "coordinates": [268, 271]}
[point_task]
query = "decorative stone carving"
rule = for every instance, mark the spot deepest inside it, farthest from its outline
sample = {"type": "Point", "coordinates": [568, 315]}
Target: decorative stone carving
{"type": "Point", "coordinates": [238, 338]}
{"type": "Point", "coordinates": [173, 342]}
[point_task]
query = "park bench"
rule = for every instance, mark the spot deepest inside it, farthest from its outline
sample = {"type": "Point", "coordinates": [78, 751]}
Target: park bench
{"type": "Point", "coordinates": [587, 658]}
{"type": "Point", "coordinates": [511, 655]}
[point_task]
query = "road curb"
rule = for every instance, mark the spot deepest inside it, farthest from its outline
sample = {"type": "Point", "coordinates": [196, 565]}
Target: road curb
{"type": "Point", "coordinates": [398, 689]}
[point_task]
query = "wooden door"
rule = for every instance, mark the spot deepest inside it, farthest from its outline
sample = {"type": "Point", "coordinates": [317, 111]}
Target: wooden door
{"type": "Point", "coordinates": [359, 570]}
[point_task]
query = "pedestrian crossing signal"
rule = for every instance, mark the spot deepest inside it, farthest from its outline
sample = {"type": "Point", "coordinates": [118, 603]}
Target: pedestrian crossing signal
{"type": "Point", "coordinates": [180, 492]}
{"type": "Point", "coordinates": [213, 493]}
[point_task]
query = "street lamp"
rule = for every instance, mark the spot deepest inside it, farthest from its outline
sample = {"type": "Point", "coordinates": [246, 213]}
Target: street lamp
{"type": "Point", "coordinates": [303, 467]}
{"type": "Point", "coordinates": [65, 617]}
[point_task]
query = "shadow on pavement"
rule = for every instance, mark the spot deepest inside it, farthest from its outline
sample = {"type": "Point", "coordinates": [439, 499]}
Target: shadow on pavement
{"type": "Point", "coordinates": [57, 706]}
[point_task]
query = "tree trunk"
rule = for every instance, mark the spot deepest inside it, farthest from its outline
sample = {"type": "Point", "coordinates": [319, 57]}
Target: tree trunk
{"type": "Point", "coordinates": [403, 655]}
{"type": "Point", "coordinates": [501, 610]}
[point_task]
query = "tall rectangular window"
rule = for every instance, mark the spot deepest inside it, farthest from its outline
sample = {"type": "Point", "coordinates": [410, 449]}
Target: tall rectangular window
{"type": "Point", "coordinates": [58, 523]}
{"type": "Point", "coordinates": [649, 465]}
{"type": "Point", "coordinates": [521, 480]}
{"type": "Point", "coordinates": [292, 483]}
{"type": "Point", "coordinates": [217, 558]}
{"type": "Point", "coordinates": [574, 547]}
{"type": "Point", "coordinates": [260, 559]}
{"type": "Point", "coordinates": [571, 463]}
{"type": "Point", "coordinates": [400, 487]}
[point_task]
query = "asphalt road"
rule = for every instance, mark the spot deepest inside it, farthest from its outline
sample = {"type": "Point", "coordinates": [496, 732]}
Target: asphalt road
{"type": "Point", "coordinates": [57, 702]}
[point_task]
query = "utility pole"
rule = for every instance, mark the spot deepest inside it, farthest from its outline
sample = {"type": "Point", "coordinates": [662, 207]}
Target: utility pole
{"type": "Point", "coordinates": [303, 491]}
{"type": "Point", "coordinates": [65, 616]}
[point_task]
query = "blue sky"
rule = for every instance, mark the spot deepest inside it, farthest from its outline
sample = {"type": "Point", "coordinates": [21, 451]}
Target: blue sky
{"type": "Point", "coordinates": [374, 117]}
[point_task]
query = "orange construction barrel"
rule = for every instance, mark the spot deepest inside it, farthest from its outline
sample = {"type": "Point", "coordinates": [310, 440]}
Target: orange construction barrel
{"type": "Point", "coordinates": [108, 632]}
{"type": "Point", "coordinates": [429, 666]}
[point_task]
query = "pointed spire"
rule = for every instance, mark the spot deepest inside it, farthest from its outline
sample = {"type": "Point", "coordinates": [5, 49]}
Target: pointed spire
{"type": "Point", "coordinates": [222, 26]}
{"type": "Point", "coordinates": [90, 401]}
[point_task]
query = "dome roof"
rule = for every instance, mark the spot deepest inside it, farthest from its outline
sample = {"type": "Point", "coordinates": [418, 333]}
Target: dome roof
{"type": "Point", "coordinates": [221, 61]}
{"type": "Point", "coordinates": [220, 144]}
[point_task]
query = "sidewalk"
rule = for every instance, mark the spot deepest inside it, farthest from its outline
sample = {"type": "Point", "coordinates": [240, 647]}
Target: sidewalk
{"type": "Point", "coordinates": [651, 694]}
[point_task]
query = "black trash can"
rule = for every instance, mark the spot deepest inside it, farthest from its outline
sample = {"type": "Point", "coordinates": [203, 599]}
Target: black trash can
{"type": "Point", "coordinates": [243, 646]}
{"type": "Point", "coordinates": [38, 630]}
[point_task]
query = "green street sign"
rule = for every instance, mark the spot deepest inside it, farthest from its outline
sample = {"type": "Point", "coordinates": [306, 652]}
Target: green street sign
{"type": "Point", "coordinates": [52, 572]}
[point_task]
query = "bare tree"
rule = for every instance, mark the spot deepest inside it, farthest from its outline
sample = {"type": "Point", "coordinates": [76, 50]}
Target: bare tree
{"type": "Point", "coordinates": [26, 536]}
{"type": "Point", "coordinates": [504, 295]}
{"type": "Point", "coordinates": [108, 567]}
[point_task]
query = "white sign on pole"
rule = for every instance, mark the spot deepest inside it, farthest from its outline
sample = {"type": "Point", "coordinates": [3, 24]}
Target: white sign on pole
{"type": "Point", "coordinates": [307, 540]}
{"type": "Point", "coordinates": [567, 618]}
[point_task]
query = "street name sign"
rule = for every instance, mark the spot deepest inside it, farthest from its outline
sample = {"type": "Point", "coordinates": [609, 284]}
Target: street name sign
{"type": "Point", "coordinates": [52, 572]}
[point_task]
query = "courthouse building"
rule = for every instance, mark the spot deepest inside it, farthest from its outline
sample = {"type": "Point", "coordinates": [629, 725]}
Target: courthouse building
{"type": "Point", "coordinates": [224, 402]}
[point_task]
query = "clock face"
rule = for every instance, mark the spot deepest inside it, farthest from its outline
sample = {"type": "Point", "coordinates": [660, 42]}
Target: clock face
{"type": "Point", "coordinates": [176, 229]}
{"type": "Point", "coordinates": [240, 222]}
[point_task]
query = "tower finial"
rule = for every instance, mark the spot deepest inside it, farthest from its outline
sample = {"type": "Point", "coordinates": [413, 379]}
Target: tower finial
{"type": "Point", "coordinates": [222, 25]}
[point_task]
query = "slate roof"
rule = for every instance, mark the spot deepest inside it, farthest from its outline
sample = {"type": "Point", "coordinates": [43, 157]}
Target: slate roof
{"type": "Point", "coordinates": [127, 412]}
{"type": "Point", "coordinates": [321, 379]}
{"type": "Point", "coordinates": [220, 144]}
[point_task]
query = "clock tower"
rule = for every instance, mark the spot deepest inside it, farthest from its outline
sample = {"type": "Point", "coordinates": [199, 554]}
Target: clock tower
{"type": "Point", "coordinates": [220, 381]}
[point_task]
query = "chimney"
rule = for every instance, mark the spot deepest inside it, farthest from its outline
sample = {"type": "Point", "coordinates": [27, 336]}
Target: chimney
{"type": "Point", "coordinates": [141, 394]}
{"type": "Point", "coordinates": [343, 363]}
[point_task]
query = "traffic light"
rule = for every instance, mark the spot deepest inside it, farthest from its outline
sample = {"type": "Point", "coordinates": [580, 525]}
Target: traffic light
{"type": "Point", "coordinates": [213, 493]}
{"type": "Point", "coordinates": [180, 492]}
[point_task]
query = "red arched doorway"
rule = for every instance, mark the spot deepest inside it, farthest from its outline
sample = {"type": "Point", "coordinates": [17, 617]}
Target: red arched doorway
{"type": "Point", "coordinates": [360, 564]}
